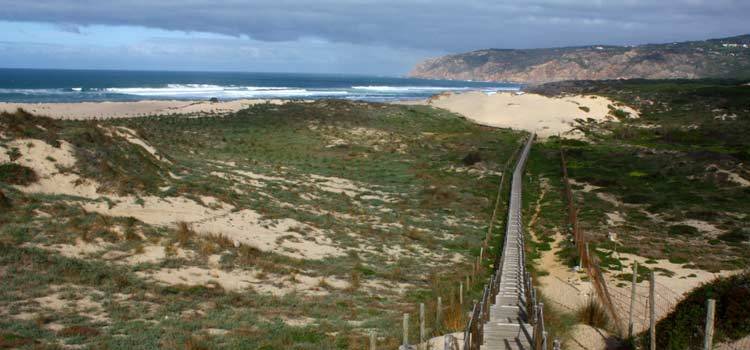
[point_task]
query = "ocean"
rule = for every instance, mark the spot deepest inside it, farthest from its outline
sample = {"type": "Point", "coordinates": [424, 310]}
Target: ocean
{"type": "Point", "coordinates": [53, 85]}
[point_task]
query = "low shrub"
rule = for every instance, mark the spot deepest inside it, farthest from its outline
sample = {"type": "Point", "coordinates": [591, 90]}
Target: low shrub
{"type": "Point", "coordinates": [683, 230]}
{"type": "Point", "coordinates": [683, 327]}
{"type": "Point", "coordinates": [15, 174]}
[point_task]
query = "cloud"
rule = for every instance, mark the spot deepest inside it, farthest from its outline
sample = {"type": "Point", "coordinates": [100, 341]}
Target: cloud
{"type": "Point", "coordinates": [224, 54]}
{"type": "Point", "coordinates": [69, 28]}
{"type": "Point", "coordinates": [437, 25]}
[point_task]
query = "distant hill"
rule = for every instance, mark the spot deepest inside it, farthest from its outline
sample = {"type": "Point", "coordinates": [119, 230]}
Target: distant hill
{"type": "Point", "coordinates": [715, 58]}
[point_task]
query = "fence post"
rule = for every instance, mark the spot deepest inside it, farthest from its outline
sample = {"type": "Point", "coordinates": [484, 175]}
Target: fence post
{"type": "Point", "coordinates": [632, 299]}
{"type": "Point", "coordinates": [438, 315]}
{"type": "Point", "coordinates": [588, 256]}
{"type": "Point", "coordinates": [421, 325]}
{"type": "Point", "coordinates": [461, 294]}
{"type": "Point", "coordinates": [406, 330]}
{"type": "Point", "coordinates": [372, 341]}
{"type": "Point", "coordinates": [652, 311]}
{"type": "Point", "coordinates": [709, 340]}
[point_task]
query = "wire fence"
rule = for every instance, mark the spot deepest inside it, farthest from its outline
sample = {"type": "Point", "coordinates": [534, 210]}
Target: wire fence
{"type": "Point", "coordinates": [621, 296]}
{"type": "Point", "coordinates": [588, 262]}
{"type": "Point", "coordinates": [620, 299]}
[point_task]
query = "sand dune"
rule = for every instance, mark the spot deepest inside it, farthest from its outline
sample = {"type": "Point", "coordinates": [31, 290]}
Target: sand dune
{"type": "Point", "coordinates": [547, 116]}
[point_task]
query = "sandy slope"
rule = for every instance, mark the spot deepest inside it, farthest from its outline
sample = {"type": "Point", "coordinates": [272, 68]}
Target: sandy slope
{"type": "Point", "coordinates": [89, 110]}
{"type": "Point", "coordinates": [546, 116]}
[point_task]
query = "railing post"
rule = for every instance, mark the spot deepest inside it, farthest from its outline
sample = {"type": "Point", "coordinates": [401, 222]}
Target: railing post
{"type": "Point", "coordinates": [421, 325]}
{"type": "Point", "coordinates": [711, 309]}
{"type": "Point", "coordinates": [652, 311]}
{"type": "Point", "coordinates": [632, 299]}
{"type": "Point", "coordinates": [406, 331]}
{"type": "Point", "coordinates": [438, 315]}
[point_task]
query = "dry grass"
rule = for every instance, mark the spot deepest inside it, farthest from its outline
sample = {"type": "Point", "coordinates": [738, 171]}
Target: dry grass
{"type": "Point", "coordinates": [354, 280]}
{"type": "Point", "coordinates": [78, 331]}
{"type": "Point", "coordinates": [185, 233]}
{"type": "Point", "coordinates": [454, 319]}
{"type": "Point", "coordinates": [593, 314]}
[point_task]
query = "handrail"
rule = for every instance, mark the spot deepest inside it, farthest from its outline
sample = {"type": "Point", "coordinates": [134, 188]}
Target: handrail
{"type": "Point", "coordinates": [473, 334]}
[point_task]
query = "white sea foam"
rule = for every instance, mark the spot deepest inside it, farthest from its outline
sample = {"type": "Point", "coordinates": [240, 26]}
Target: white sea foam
{"type": "Point", "coordinates": [426, 89]}
{"type": "Point", "coordinates": [34, 91]}
{"type": "Point", "coordinates": [207, 90]}
{"type": "Point", "coordinates": [397, 89]}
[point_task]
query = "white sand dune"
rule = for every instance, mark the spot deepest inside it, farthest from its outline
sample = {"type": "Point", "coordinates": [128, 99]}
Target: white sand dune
{"type": "Point", "coordinates": [547, 116]}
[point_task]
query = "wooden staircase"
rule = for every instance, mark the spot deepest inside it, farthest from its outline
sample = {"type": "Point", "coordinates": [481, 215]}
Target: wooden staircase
{"type": "Point", "coordinates": [508, 326]}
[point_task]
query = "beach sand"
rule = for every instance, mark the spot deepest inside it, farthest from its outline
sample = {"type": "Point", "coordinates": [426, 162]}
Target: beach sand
{"type": "Point", "coordinates": [547, 116]}
{"type": "Point", "coordinates": [90, 110]}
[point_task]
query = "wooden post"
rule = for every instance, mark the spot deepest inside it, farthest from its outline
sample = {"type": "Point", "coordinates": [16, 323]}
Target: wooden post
{"type": "Point", "coordinates": [588, 256]}
{"type": "Point", "coordinates": [372, 341]}
{"type": "Point", "coordinates": [652, 311]}
{"type": "Point", "coordinates": [708, 342]}
{"type": "Point", "coordinates": [481, 253]}
{"type": "Point", "coordinates": [461, 294]}
{"type": "Point", "coordinates": [438, 314]}
{"type": "Point", "coordinates": [421, 325]}
{"type": "Point", "coordinates": [468, 286]}
{"type": "Point", "coordinates": [632, 299]}
{"type": "Point", "coordinates": [406, 330]}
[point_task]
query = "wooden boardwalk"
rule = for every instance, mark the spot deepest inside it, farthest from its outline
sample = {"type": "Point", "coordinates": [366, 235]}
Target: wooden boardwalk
{"type": "Point", "coordinates": [508, 326]}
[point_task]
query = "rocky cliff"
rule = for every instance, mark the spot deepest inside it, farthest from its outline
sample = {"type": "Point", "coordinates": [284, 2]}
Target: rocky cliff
{"type": "Point", "coordinates": [720, 58]}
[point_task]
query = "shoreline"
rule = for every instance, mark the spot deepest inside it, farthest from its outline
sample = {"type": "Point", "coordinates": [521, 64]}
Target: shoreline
{"type": "Point", "coordinates": [128, 109]}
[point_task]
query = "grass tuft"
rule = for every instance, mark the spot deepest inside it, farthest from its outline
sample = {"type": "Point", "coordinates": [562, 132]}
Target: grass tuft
{"type": "Point", "coordinates": [593, 314]}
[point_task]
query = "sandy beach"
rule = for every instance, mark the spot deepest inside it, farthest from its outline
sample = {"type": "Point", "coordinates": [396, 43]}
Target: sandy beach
{"type": "Point", "coordinates": [89, 110]}
{"type": "Point", "coordinates": [547, 116]}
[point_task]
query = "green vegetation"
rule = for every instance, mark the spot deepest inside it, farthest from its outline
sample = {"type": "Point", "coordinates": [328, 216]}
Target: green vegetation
{"type": "Point", "coordinates": [677, 175]}
{"type": "Point", "coordinates": [403, 193]}
{"type": "Point", "coordinates": [14, 174]}
{"type": "Point", "coordinates": [671, 184]}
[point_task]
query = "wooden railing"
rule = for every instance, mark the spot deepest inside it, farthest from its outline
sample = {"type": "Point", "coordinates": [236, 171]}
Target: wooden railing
{"type": "Point", "coordinates": [480, 314]}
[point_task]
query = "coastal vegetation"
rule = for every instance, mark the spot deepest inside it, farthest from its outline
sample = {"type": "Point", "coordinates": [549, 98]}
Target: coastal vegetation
{"type": "Point", "coordinates": [668, 189]}
{"type": "Point", "coordinates": [293, 226]}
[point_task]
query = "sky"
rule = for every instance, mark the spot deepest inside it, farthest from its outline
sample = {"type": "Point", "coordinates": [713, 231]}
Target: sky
{"type": "Point", "coordinates": [385, 37]}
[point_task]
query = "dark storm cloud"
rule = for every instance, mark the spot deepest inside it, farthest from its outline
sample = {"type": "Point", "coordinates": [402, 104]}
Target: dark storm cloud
{"type": "Point", "coordinates": [420, 24]}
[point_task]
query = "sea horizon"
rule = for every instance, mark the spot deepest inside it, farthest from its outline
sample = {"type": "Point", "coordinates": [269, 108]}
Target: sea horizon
{"type": "Point", "coordinates": [41, 85]}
